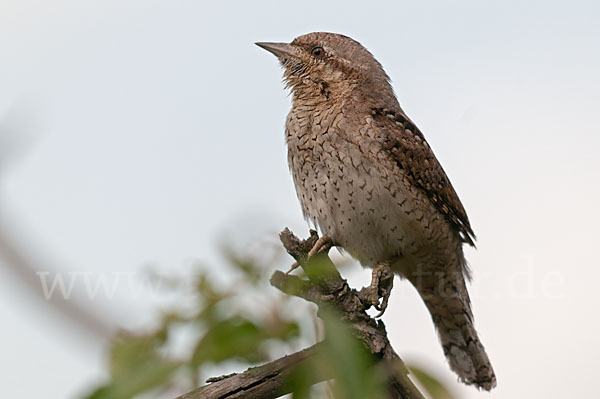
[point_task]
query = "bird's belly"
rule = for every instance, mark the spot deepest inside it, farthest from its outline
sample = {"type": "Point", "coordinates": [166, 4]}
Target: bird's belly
{"type": "Point", "coordinates": [373, 216]}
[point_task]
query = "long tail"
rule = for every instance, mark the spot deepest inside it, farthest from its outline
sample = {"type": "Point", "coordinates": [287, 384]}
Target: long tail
{"type": "Point", "coordinates": [449, 305]}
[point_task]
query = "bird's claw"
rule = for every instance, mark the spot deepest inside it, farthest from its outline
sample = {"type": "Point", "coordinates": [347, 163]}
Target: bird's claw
{"type": "Point", "coordinates": [294, 266]}
{"type": "Point", "coordinates": [323, 244]}
{"type": "Point", "coordinates": [382, 282]}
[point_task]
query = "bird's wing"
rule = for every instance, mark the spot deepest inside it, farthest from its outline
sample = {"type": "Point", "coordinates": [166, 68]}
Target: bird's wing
{"type": "Point", "coordinates": [412, 153]}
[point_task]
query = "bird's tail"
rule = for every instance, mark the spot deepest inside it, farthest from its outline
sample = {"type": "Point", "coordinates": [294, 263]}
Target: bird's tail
{"type": "Point", "coordinates": [449, 305]}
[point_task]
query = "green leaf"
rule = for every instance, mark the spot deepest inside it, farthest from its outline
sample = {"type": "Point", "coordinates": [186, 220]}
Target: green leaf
{"type": "Point", "coordinates": [135, 367]}
{"type": "Point", "coordinates": [432, 385]}
{"type": "Point", "coordinates": [135, 381]}
{"type": "Point", "coordinates": [129, 351]}
{"type": "Point", "coordinates": [229, 339]}
{"type": "Point", "coordinates": [342, 357]}
{"type": "Point", "coordinates": [356, 373]}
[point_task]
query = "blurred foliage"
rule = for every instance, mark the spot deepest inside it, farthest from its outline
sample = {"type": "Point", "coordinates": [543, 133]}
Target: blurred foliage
{"type": "Point", "coordinates": [238, 324]}
{"type": "Point", "coordinates": [135, 367]}
{"type": "Point", "coordinates": [434, 388]}
{"type": "Point", "coordinates": [354, 371]}
{"type": "Point", "coordinates": [223, 325]}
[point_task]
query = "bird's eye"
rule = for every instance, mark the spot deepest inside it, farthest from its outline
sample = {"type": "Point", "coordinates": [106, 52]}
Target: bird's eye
{"type": "Point", "coordinates": [317, 52]}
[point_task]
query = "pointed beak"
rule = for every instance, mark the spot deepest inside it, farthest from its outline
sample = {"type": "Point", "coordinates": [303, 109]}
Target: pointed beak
{"type": "Point", "coordinates": [278, 49]}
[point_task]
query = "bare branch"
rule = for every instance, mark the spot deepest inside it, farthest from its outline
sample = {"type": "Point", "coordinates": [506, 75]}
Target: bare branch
{"type": "Point", "coordinates": [267, 381]}
{"type": "Point", "coordinates": [326, 288]}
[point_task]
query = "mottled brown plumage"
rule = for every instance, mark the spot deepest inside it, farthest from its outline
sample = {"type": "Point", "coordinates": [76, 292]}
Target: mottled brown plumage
{"type": "Point", "coordinates": [367, 178]}
{"type": "Point", "coordinates": [414, 156]}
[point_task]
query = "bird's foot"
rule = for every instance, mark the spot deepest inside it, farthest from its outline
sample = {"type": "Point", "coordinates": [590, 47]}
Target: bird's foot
{"type": "Point", "coordinates": [382, 282]}
{"type": "Point", "coordinates": [323, 244]}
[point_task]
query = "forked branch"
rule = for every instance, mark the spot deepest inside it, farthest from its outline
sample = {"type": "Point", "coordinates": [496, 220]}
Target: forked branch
{"type": "Point", "coordinates": [326, 288]}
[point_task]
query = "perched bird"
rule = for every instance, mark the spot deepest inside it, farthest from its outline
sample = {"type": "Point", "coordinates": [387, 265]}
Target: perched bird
{"type": "Point", "coordinates": [366, 176]}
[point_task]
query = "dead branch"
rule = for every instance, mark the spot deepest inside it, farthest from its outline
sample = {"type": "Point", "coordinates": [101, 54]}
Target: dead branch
{"type": "Point", "coordinates": [327, 289]}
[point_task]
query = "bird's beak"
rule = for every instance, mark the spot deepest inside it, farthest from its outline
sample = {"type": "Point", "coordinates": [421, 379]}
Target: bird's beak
{"type": "Point", "coordinates": [279, 49]}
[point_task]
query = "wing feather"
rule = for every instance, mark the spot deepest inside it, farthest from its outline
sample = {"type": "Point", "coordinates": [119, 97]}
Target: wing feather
{"type": "Point", "coordinates": [412, 153]}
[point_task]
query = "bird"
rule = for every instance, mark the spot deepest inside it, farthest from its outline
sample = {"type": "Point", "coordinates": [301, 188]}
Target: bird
{"type": "Point", "coordinates": [367, 178]}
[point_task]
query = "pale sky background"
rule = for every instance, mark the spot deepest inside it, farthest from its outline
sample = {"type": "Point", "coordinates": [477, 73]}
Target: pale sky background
{"type": "Point", "coordinates": [144, 132]}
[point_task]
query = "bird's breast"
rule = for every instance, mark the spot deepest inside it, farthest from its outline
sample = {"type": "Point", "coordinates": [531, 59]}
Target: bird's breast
{"type": "Point", "coordinates": [351, 191]}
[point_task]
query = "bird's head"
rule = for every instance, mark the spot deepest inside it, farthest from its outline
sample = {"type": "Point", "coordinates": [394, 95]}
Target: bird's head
{"type": "Point", "coordinates": [329, 66]}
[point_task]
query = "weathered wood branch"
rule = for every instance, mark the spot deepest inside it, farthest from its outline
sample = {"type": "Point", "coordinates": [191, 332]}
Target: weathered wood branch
{"type": "Point", "coordinates": [267, 381]}
{"type": "Point", "coordinates": [327, 289]}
